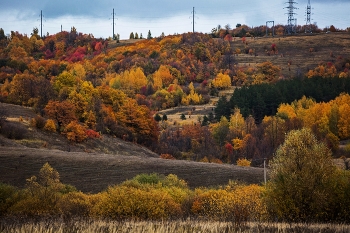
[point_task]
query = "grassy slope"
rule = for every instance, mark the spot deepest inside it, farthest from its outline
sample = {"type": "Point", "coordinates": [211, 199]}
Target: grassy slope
{"type": "Point", "coordinates": [296, 49]}
{"type": "Point", "coordinates": [94, 165]}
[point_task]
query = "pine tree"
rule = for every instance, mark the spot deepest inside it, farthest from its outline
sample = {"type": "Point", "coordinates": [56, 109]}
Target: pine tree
{"type": "Point", "coordinates": [149, 35]}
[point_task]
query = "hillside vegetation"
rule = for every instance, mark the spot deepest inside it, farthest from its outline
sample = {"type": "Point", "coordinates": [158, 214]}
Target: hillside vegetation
{"type": "Point", "coordinates": [82, 87]}
{"type": "Point", "coordinates": [185, 110]}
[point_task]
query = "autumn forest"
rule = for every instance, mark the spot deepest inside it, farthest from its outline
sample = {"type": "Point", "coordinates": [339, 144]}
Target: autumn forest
{"type": "Point", "coordinates": [83, 88]}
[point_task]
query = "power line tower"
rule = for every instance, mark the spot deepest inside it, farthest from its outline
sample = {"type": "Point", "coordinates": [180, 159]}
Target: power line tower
{"type": "Point", "coordinates": [291, 25]}
{"type": "Point", "coordinates": [308, 28]}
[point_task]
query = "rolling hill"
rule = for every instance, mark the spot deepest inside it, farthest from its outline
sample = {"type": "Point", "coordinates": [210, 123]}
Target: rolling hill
{"type": "Point", "coordinates": [92, 166]}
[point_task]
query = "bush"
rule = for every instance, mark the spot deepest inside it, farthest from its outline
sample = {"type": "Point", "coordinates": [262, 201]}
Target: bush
{"type": "Point", "coordinates": [243, 162]}
{"type": "Point", "coordinates": [39, 122]}
{"type": "Point", "coordinates": [3, 115]}
{"type": "Point", "coordinates": [75, 204]}
{"type": "Point", "coordinates": [13, 130]}
{"type": "Point", "coordinates": [167, 156]}
{"type": "Point", "coordinates": [138, 204]}
{"type": "Point", "coordinates": [75, 132]}
{"type": "Point", "coordinates": [157, 117]}
{"type": "Point", "coordinates": [50, 125]}
{"type": "Point", "coordinates": [90, 133]}
{"type": "Point", "coordinates": [240, 204]}
{"type": "Point", "coordinates": [7, 194]}
{"type": "Point", "coordinates": [153, 178]}
{"type": "Point", "coordinates": [40, 196]}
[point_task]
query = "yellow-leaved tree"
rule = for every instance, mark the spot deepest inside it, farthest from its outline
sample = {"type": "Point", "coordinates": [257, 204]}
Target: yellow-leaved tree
{"type": "Point", "coordinates": [302, 179]}
{"type": "Point", "coordinates": [162, 77]}
{"type": "Point", "coordinates": [222, 81]}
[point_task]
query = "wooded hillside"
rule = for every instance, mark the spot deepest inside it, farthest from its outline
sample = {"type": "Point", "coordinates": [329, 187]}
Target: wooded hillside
{"type": "Point", "coordinates": [83, 87]}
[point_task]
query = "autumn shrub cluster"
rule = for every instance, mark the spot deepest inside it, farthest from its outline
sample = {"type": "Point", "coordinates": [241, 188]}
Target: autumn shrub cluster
{"type": "Point", "coordinates": [238, 204]}
{"type": "Point", "coordinates": [145, 197]}
{"type": "Point", "coordinates": [304, 186]}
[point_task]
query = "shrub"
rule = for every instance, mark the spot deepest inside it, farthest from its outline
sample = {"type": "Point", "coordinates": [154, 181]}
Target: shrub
{"type": "Point", "coordinates": [13, 130]}
{"type": "Point", "coordinates": [243, 162]}
{"type": "Point", "coordinates": [167, 156]}
{"type": "Point", "coordinates": [212, 204]}
{"type": "Point", "coordinates": [75, 204]}
{"type": "Point", "coordinates": [7, 196]}
{"type": "Point", "coordinates": [40, 122]}
{"type": "Point", "coordinates": [50, 125]}
{"type": "Point", "coordinates": [240, 204]}
{"type": "Point", "coordinates": [92, 134]}
{"type": "Point", "coordinates": [153, 178]}
{"type": "Point", "coordinates": [3, 115]}
{"type": "Point", "coordinates": [157, 117]}
{"type": "Point", "coordinates": [216, 160]}
{"type": "Point", "coordinates": [133, 203]}
{"type": "Point", "coordinates": [41, 194]}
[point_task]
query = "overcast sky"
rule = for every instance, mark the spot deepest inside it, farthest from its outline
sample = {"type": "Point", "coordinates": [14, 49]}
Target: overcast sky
{"type": "Point", "coordinates": [168, 16]}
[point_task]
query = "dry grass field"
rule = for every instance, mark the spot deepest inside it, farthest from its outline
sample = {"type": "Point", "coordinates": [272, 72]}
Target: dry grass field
{"type": "Point", "coordinates": [303, 51]}
{"type": "Point", "coordinates": [98, 226]}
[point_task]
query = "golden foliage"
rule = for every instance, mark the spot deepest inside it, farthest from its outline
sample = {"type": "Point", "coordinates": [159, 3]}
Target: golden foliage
{"type": "Point", "coordinates": [243, 162]}
{"type": "Point", "coordinates": [75, 132]}
{"type": "Point", "coordinates": [75, 204]}
{"type": "Point", "coordinates": [134, 203]}
{"type": "Point", "coordinates": [50, 125]}
{"type": "Point", "coordinates": [300, 174]}
{"type": "Point", "coordinates": [323, 70]}
{"type": "Point", "coordinates": [222, 81]}
{"type": "Point", "coordinates": [239, 204]}
{"type": "Point", "coordinates": [237, 123]}
{"type": "Point", "coordinates": [162, 77]}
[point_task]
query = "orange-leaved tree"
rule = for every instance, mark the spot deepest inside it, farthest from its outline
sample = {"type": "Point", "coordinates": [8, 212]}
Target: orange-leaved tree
{"type": "Point", "coordinates": [62, 112]}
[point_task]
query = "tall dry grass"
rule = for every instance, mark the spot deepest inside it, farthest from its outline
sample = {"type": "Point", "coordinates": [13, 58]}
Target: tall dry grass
{"type": "Point", "coordinates": [97, 226]}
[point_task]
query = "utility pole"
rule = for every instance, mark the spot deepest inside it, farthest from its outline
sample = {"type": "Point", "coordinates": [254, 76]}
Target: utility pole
{"type": "Point", "coordinates": [193, 19]}
{"type": "Point", "coordinates": [265, 170]}
{"type": "Point", "coordinates": [41, 24]}
{"type": "Point", "coordinates": [113, 14]}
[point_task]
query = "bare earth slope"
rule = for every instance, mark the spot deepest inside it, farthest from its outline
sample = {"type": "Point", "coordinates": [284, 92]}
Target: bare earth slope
{"type": "Point", "coordinates": [96, 164]}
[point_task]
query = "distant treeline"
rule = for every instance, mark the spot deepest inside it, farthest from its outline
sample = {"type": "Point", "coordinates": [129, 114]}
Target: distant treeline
{"type": "Point", "coordinates": [263, 99]}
